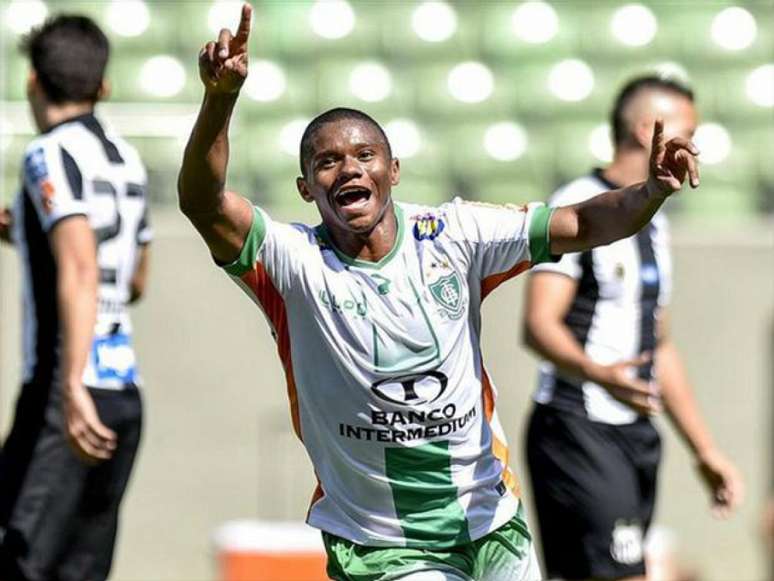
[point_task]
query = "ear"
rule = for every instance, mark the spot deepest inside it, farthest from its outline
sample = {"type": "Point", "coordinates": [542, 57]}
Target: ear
{"type": "Point", "coordinates": [32, 82]}
{"type": "Point", "coordinates": [105, 88]}
{"type": "Point", "coordinates": [303, 190]}
{"type": "Point", "coordinates": [394, 171]}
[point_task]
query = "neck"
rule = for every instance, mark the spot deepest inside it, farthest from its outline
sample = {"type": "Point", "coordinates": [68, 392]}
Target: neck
{"type": "Point", "coordinates": [55, 114]}
{"type": "Point", "coordinates": [628, 167]}
{"type": "Point", "coordinates": [373, 245]}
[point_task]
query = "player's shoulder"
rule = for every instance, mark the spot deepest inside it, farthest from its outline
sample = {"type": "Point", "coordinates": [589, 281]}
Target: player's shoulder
{"type": "Point", "coordinates": [577, 190]}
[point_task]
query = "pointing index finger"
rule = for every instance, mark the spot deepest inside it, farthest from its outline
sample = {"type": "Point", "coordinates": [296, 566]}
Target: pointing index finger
{"type": "Point", "coordinates": [243, 32]}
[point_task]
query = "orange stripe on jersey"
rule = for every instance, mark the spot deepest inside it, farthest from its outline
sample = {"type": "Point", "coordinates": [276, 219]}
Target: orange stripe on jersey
{"type": "Point", "coordinates": [499, 449]}
{"type": "Point", "coordinates": [492, 282]}
{"type": "Point", "coordinates": [274, 306]}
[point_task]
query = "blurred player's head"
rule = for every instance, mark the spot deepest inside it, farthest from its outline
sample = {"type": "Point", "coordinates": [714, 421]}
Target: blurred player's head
{"type": "Point", "coordinates": [645, 99]}
{"type": "Point", "coordinates": [68, 55]}
{"type": "Point", "coordinates": [347, 169]}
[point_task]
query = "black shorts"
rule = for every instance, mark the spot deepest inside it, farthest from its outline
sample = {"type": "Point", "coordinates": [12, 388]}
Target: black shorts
{"type": "Point", "coordinates": [594, 486]}
{"type": "Point", "coordinates": [58, 514]}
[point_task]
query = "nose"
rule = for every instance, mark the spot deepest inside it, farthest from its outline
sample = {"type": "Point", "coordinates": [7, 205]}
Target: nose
{"type": "Point", "coordinates": [350, 168]}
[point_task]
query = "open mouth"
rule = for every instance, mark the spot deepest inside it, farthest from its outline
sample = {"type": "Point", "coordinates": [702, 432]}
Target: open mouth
{"type": "Point", "coordinates": [354, 196]}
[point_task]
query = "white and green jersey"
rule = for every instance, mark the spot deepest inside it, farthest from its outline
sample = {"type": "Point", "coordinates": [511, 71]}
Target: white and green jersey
{"type": "Point", "coordinates": [387, 386]}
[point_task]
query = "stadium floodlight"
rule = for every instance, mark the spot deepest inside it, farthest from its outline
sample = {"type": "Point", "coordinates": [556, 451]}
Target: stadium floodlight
{"type": "Point", "coordinates": [223, 14]}
{"type": "Point", "coordinates": [634, 25]}
{"type": "Point", "coordinates": [332, 19]}
{"type": "Point", "coordinates": [760, 86]}
{"type": "Point", "coordinates": [535, 22]}
{"type": "Point", "coordinates": [714, 143]}
{"type": "Point", "coordinates": [265, 81]}
{"type": "Point", "coordinates": [571, 80]}
{"type": "Point", "coordinates": [405, 138]}
{"type": "Point", "coordinates": [22, 15]}
{"type": "Point", "coordinates": [505, 141]}
{"type": "Point", "coordinates": [734, 28]}
{"type": "Point", "coordinates": [290, 136]}
{"type": "Point", "coordinates": [370, 82]}
{"type": "Point", "coordinates": [128, 17]}
{"type": "Point", "coordinates": [672, 70]}
{"type": "Point", "coordinates": [600, 144]}
{"type": "Point", "coordinates": [470, 82]}
{"type": "Point", "coordinates": [434, 21]}
{"type": "Point", "coordinates": [162, 76]}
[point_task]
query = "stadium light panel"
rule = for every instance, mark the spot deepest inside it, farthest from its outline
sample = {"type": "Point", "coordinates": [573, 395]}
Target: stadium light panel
{"type": "Point", "coordinates": [224, 14]}
{"type": "Point", "coordinates": [22, 15]}
{"type": "Point", "coordinates": [600, 144]}
{"type": "Point", "coordinates": [265, 81]}
{"type": "Point", "coordinates": [434, 21]}
{"type": "Point", "coordinates": [571, 80]}
{"type": "Point", "coordinates": [470, 82]}
{"type": "Point", "coordinates": [734, 28]}
{"type": "Point", "coordinates": [332, 19]}
{"type": "Point", "coordinates": [128, 17]}
{"type": "Point", "coordinates": [405, 138]}
{"type": "Point", "coordinates": [370, 82]}
{"type": "Point", "coordinates": [714, 143]}
{"type": "Point", "coordinates": [290, 136]}
{"type": "Point", "coordinates": [634, 25]}
{"type": "Point", "coordinates": [162, 76]}
{"type": "Point", "coordinates": [535, 22]}
{"type": "Point", "coordinates": [760, 86]}
{"type": "Point", "coordinates": [505, 141]}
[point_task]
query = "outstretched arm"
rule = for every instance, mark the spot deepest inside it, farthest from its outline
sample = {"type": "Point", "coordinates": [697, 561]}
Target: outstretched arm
{"type": "Point", "coordinates": [719, 475]}
{"type": "Point", "coordinates": [621, 213]}
{"type": "Point", "coordinates": [222, 218]}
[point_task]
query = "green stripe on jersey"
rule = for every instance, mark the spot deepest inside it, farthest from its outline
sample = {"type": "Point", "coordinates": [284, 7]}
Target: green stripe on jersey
{"type": "Point", "coordinates": [539, 239]}
{"type": "Point", "coordinates": [426, 499]}
{"type": "Point", "coordinates": [246, 260]}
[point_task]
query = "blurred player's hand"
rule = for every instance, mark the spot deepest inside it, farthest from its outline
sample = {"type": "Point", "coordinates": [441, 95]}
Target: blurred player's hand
{"type": "Point", "coordinates": [6, 222]}
{"type": "Point", "coordinates": [223, 63]}
{"type": "Point", "coordinates": [88, 436]}
{"type": "Point", "coordinates": [722, 480]}
{"type": "Point", "coordinates": [620, 379]}
{"type": "Point", "coordinates": [671, 162]}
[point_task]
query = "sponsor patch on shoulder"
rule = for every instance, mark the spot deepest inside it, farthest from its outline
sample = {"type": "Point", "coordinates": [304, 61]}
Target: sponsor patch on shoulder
{"type": "Point", "coordinates": [37, 172]}
{"type": "Point", "coordinates": [427, 226]}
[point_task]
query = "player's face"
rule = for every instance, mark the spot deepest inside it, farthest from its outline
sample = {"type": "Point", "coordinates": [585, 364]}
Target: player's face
{"type": "Point", "coordinates": [350, 176]}
{"type": "Point", "coordinates": [679, 115]}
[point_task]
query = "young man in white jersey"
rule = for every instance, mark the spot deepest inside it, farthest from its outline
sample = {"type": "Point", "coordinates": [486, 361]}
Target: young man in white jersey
{"type": "Point", "coordinates": [376, 314]}
{"type": "Point", "coordinates": [599, 320]}
{"type": "Point", "coordinates": [81, 230]}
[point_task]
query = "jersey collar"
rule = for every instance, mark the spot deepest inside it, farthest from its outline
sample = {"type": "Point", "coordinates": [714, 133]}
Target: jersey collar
{"type": "Point", "coordinates": [599, 174]}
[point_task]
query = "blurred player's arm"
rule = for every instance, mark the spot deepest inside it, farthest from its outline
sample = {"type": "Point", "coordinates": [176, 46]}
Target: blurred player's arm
{"type": "Point", "coordinates": [719, 475]}
{"type": "Point", "coordinates": [549, 296]}
{"type": "Point", "coordinates": [6, 223]}
{"type": "Point", "coordinates": [140, 275]}
{"type": "Point", "coordinates": [621, 213]}
{"type": "Point", "coordinates": [74, 249]}
{"type": "Point", "coordinates": [222, 218]}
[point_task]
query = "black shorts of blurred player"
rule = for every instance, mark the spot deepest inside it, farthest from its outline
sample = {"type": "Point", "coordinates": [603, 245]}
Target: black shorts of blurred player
{"type": "Point", "coordinates": [594, 486]}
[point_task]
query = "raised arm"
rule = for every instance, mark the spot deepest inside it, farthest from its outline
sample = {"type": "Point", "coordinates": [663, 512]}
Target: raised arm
{"type": "Point", "coordinates": [222, 218]}
{"type": "Point", "coordinates": [621, 213]}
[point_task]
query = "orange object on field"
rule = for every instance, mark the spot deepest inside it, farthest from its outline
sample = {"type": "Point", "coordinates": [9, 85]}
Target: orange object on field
{"type": "Point", "coordinates": [269, 551]}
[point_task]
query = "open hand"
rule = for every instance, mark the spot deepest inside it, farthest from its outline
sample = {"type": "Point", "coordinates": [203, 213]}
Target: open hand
{"type": "Point", "coordinates": [223, 64]}
{"type": "Point", "coordinates": [723, 481]}
{"type": "Point", "coordinates": [671, 162]}
{"type": "Point", "coordinates": [88, 436]}
{"type": "Point", "coordinates": [621, 381]}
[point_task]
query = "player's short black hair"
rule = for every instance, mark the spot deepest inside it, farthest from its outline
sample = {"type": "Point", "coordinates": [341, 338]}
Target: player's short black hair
{"type": "Point", "coordinates": [69, 54]}
{"type": "Point", "coordinates": [631, 89]}
{"type": "Point", "coordinates": [332, 116]}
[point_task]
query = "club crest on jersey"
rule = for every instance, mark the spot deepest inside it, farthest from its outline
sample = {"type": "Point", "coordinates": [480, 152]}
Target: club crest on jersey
{"type": "Point", "coordinates": [37, 171]}
{"type": "Point", "coordinates": [447, 292]}
{"type": "Point", "coordinates": [428, 226]}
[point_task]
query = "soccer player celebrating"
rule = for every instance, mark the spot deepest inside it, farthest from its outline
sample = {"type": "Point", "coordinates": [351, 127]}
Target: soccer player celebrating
{"type": "Point", "coordinates": [80, 226]}
{"type": "Point", "coordinates": [376, 314]}
{"type": "Point", "coordinates": [599, 319]}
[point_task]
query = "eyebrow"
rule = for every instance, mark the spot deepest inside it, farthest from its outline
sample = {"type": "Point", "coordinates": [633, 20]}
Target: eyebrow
{"type": "Point", "coordinates": [357, 146]}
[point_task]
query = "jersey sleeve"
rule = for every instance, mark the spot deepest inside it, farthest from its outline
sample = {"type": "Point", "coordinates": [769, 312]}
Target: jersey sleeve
{"type": "Point", "coordinates": [54, 182]}
{"type": "Point", "coordinates": [501, 241]}
{"type": "Point", "coordinates": [270, 255]}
